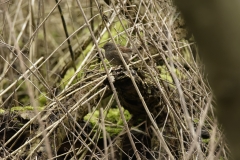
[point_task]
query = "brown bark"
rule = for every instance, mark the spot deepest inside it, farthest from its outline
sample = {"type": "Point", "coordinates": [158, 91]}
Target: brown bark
{"type": "Point", "coordinates": [216, 28]}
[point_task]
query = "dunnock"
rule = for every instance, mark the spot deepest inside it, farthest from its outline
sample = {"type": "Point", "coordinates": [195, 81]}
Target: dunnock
{"type": "Point", "coordinates": [112, 56]}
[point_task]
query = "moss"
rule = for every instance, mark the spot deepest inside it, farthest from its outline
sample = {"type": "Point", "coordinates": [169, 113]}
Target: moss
{"type": "Point", "coordinates": [20, 108]}
{"type": "Point", "coordinates": [116, 31]}
{"type": "Point", "coordinates": [166, 76]}
{"type": "Point", "coordinates": [205, 140]}
{"type": "Point", "coordinates": [2, 111]}
{"type": "Point", "coordinates": [67, 77]}
{"type": "Point", "coordinates": [196, 120]}
{"type": "Point", "coordinates": [42, 99]}
{"type": "Point", "coordinates": [113, 121]}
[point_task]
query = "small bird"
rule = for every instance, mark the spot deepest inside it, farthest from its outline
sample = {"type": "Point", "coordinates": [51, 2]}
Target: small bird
{"type": "Point", "coordinates": [111, 53]}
